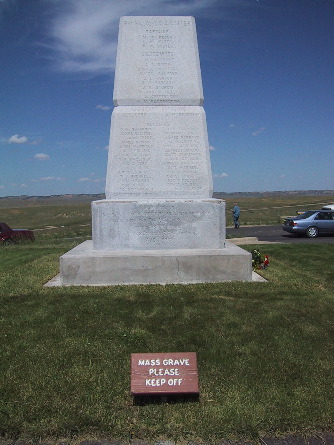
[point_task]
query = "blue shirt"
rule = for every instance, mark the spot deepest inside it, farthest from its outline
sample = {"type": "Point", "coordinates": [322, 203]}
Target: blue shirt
{"type": "Point", "coordinates": [236, 211]}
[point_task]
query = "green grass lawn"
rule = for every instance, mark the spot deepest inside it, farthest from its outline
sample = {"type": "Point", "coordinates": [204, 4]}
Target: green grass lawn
{"type": "Point", "coordinates": [264, 350]}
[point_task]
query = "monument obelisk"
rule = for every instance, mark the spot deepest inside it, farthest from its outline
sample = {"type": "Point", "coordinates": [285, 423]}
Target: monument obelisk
{"type": "Point", "coordinates": [158, 223]}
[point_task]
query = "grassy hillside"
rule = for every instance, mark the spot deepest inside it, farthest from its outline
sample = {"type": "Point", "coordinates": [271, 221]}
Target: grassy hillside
{"type": "Point", "coordinates": [270, 209]}
{"type": "Point", "coordinates": [70, 215]}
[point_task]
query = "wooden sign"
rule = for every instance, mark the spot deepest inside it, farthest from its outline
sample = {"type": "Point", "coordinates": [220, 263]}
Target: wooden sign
{"type": "Point", "coordinates": [166, 373]}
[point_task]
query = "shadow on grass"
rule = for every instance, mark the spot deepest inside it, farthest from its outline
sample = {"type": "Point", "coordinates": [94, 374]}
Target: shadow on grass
{"type": "Point", "coordinates": [156, 399]}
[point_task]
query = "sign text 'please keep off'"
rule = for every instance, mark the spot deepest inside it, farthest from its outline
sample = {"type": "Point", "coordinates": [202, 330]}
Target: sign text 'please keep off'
{"type": "Point", "coordinates": [164, 373]}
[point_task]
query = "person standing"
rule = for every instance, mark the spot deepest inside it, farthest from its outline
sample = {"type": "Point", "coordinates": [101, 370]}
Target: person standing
{"type": "Point", "coordinates": [236, 214]}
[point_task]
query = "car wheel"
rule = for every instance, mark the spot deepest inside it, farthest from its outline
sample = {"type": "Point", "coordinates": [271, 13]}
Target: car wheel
{"type": "Point", "coordinates": [312, 232]}
{"type": "Point", "coordinates": [8, 242]}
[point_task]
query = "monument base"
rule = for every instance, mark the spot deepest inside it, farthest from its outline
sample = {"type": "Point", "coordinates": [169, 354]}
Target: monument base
{"type": "Point", "coordinates": [158, 224]}
{"type": "Point", "coordinates": [85, 266]}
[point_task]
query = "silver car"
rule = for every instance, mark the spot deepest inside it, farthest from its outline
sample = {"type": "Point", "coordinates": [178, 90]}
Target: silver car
{"type": "Point", "coordinates": [310, 223]}
{"type": "Point", "coordinates": [328, 207]}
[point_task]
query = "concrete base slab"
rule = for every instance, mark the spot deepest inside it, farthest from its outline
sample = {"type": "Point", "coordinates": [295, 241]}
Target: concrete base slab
{"type": "Point", "coordinates": [56, 281]}
{"type": "Point", "coordinates": [85, 266]}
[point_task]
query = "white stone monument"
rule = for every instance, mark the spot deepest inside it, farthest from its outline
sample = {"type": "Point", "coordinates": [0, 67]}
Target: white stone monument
{"type": "Point", "coordinates": [158, 223]}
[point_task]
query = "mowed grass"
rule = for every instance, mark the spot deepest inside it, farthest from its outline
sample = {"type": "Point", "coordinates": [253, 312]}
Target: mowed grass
{"type": "Point", "coordinates": [265, 350]}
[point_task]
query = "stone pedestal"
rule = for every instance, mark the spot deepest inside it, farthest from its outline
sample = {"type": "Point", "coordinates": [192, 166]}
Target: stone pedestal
{"type": "Point", "coordinates": [85, 266]}
{"type": "Point", "coordinates": [158, 223]}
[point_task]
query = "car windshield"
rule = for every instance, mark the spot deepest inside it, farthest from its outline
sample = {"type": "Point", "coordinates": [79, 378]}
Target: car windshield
{"type": "Point", "coordinates": [306, 214]}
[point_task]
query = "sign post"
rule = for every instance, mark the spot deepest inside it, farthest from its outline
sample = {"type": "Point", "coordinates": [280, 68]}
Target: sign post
{"type": "Point", "coordinates": [164, 373]}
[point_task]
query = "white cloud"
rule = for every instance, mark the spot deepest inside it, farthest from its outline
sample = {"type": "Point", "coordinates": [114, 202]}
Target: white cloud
{"type": "Point", "coordinates": [42, 157]}
{"type": "Point", "coordinates": [86, 179]}
{"type": "Point", "coordinates": [36, 142]}
{"type": "Point", "coordinates": [48, 178]}
{"type": "Point", "coordinates": [259, 131]}
{"type": "Point", "coordinates": [221, 175]}
{"type": "Point", "coordinates": [16, 139]}
{"type": "Point", "coordinates": [103, 107]}
{"type": "Point", "coordinates": [211, 148]}
{"type": "Point", "coordinates": [83, 34]}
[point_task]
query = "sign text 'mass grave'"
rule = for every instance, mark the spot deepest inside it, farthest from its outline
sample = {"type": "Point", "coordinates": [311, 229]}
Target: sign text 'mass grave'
{"type": "Point", "coordinates": [164, 373]}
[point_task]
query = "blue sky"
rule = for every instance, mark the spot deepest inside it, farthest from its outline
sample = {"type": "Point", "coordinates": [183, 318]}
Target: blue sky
{"type": "Point", "coordinates": [268, 77]}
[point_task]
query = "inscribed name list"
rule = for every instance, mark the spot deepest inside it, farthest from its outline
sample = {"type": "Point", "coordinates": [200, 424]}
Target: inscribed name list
{"type": "Point", "coordinates": [157, 62]}
{"type": "Point", "coordinates": [158, 224]}
{"type": "Point", "coordinates": [159, 152]}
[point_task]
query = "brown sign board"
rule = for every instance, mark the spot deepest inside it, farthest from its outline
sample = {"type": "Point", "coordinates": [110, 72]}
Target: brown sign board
{"type": "Point", "coordinates": [164, 373]}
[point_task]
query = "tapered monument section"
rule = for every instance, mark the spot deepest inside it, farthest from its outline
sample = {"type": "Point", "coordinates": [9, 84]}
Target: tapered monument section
{"type": "Point", "coordinates": [158, 223]}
